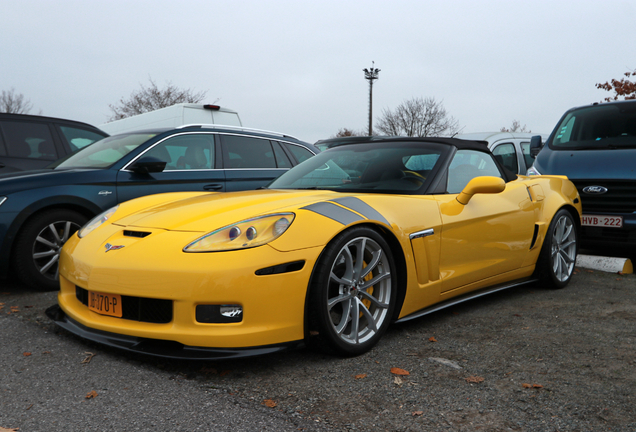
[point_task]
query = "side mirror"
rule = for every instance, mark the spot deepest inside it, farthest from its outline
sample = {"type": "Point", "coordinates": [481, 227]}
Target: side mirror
{"type": "Point", "coordinates": [147, 165]}
{"type": "Point", "coordinates": [483, 185]}
{"type": "Point", "coordinates": [535, 145]}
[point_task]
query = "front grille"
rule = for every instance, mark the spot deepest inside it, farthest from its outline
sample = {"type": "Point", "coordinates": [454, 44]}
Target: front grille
{"type": "Point", "coordinates": [619, 198]}
{"type": "Point", "coordinates": [157, 311]}
{"type": "Point", "coordinates": [608, 235]}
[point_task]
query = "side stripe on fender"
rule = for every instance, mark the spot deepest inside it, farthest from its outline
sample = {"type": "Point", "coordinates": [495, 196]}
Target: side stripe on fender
{"type": "Point", "coordinates": [334, 212]}
{"type": "Point", "coordinates": [357, 205]}
{"type": "Point", "coordinates": [345, 215]}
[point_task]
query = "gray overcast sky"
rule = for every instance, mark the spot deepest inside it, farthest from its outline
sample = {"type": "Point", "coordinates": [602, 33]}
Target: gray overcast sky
{"type": "Point", "coordinates": [296, 66]}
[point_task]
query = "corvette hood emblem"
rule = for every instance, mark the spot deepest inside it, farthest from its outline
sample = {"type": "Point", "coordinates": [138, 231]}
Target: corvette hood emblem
{"type": "Point", "coordinates": [594, 190]}
{"type": "Point", "coordinates": [110, 247]}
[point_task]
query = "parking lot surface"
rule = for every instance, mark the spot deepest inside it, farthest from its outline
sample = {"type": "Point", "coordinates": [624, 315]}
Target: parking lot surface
{"type": "Point", "coordinates": [528, 359]}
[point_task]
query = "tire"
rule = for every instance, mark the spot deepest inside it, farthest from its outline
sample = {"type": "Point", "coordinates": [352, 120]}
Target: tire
{"type": "Point", "coordinates": [557, 259]}
{"type": "Point", "coordinates": [38, 246]}
{"type": "Point", "coordinates": [353, 292]}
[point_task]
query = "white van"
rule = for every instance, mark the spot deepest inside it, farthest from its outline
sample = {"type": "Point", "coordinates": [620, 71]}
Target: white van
{"type": "Point", "coordinates": [173, 116]}
{"type": "Point", "coordinates": [511, 148]}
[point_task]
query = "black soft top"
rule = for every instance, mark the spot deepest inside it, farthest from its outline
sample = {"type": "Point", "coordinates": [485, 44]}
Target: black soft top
{"type": "Point", "coordinates": [456, 142]}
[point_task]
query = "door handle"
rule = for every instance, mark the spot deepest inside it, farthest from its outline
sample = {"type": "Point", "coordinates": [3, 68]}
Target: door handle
{"type": "Point", "coordinates": [213, 186]}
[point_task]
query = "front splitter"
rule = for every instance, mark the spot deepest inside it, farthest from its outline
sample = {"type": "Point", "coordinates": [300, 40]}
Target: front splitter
{"type": "Point", "coordinates": [158, 347]}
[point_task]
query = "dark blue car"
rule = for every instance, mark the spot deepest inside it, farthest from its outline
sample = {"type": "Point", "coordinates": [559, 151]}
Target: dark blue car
{"type": "Point", "coordinates": [40, 210]}
{"type": "Point", "coordinates": [595, 146]}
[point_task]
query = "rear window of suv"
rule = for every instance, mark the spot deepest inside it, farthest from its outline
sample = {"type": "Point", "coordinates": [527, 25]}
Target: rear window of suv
{"type": "Point", "coordinates": [597, 127]}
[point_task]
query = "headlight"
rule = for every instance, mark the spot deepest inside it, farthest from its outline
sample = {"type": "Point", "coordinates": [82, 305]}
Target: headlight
{"type": "Point", "coordinates": [242, 235]}
{"type": "Point", "coordinates": [533, 171]}
{"type": "Point", "coordinates": [96, 221]}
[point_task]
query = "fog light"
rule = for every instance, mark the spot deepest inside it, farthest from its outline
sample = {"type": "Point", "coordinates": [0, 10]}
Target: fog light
{"type": "Point", "coordinates": [231, 311]}
{"type": "Point", "coordinates": [219, 314]}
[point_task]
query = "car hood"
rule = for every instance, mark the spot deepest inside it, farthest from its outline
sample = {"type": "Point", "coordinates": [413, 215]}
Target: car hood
{"type": "Point", "coordinates": [204, 213]}
{"type": "Point", "coordinates": [589, 164]}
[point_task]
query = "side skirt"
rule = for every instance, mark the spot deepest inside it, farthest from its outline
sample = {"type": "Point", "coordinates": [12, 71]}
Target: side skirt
{"type": "Point", "coordinates": [463, 298]}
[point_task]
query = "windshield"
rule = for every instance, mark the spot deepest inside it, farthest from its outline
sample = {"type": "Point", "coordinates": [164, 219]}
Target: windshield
{"type": "Point", "coordinates": [385, 167]}
{"type": "Point", "coordinates": [597, 127]}
{"type": "Point", "coordinates": [104, 153]}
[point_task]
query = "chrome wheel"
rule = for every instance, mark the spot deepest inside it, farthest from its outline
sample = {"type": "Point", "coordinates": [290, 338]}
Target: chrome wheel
{"type": "Point", "coordinates": [47, 246]}
{"type": "Point", "coordinates": [563, 248]}
{"type": "Point", "coordinates": [359, 291]}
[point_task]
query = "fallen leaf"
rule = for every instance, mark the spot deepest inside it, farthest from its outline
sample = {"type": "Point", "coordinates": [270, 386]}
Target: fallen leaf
{"type": "Point", "coordinates": [225, 372]}
{"type": "Point", "coordinates": [88, 358]}
{"type": "Point", "coordinates": [417, 413]}
{"type": "Point", "coordinates": [207, 370]}
{"type": "Point", "coordinates": [537, 386]}
{"type": "Point", "coordinates": [526, 385]}
{"type": "Point", "coordinates": [8, 430]}
{"type": "Point", "coordinates": [398, 371]}
{"type": "Point", "coordinates": [360, 376]}
{"type": "Point", "coordinates": [91, 395]}
{"type": "Point", "coordinates": [314, 333]}
{"type": "Point", "coordinates": [28, 307]}
{"type": "Point", "coordinates": [399, 381]}
{"type": "Point", "coordinates": [269, 403]}
{"type": "Point", "coordinates": [432, 339]}
{"type": "Point", "coordinates": [26, 354]}
{"type": "Point", "coordinates": [474, 379]}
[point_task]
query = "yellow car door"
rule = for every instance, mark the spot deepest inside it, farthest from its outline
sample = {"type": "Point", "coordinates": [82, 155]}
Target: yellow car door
{"type": "Point", "coordinates": [486, 236]}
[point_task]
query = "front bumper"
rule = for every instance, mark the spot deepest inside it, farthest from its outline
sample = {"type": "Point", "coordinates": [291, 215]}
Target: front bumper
{"type": "Point", "coordinates": [160, 348]}
{"type": "Point", "coordinates": [153, 268]}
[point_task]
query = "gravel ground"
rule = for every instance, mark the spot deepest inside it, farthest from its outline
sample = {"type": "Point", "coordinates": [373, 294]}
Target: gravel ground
{"type": "Point", "coordinates": [527, 359]}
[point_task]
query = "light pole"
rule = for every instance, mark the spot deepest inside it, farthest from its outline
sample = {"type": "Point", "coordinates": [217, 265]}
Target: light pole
{"type": "Point", "coordinates": [371, 75]}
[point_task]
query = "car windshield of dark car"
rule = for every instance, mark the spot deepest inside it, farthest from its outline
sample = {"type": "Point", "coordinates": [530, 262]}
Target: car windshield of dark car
{"type": "Point", "coordinates": [104, 153]}
{"type": "Point", "coordinates": [390, 167]}
{"type": "Point", "coordinates": [597, 127]}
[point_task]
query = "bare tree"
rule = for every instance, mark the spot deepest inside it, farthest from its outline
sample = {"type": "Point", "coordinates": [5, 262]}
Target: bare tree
{"type": "Point", "coordinates": [418, 117]}
{"type": "Point", "coordinates": [344, 132]}
{"type": "Point", "coordinates": [10, 102]}
{"type": "Point", "coordinates": [516, 127]}
{"type": "Point", "coordinates": [152, 98]}
{"type": "Point", "coordinates": [623, 87]}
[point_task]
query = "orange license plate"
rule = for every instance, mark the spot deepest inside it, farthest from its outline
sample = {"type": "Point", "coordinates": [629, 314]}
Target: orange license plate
{"type": "Point", "coordinates": [105, 304]}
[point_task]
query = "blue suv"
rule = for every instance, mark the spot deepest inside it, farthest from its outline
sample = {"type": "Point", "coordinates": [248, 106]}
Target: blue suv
{"type": "Point", "coordinates": [595, 147]}
{"type": "Point", "coordinates": [40, 210]}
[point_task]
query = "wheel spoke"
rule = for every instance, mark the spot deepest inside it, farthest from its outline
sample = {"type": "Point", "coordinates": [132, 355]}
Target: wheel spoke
{"type": "Point", "coordinates": [49, 264]}
{"type": "Point", "coordinates": [367, 314]}
{"type": "Point", "coordinates": [342, 280]}
{"type": "Point", "coordinates": [48, 253]}
{"type": "Point", "coordinates": [344, 319]}
{"type": "Point", "coordinates": [46, 242]}
{"type": "Point", "coordinates": [55, 234]}
{"type": "Point", "coordinates": [357, 271]}
{"type": "Point", "coordinates": [354, 312]}
{"type": "Point", "coordinates": [334, 301]}
{"type": "Point", "coordinates": [67, 230]}
{"type": "Point", "coordinates": [375, 259]}
{"type": "Point", "coordinates": [366, 284]}
{"type": "Point", "coordinates": [374, 300]}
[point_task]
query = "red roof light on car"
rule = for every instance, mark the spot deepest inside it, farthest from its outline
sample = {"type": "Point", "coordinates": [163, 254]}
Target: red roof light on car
{"type": "Point", "coordinates": [212, 107]}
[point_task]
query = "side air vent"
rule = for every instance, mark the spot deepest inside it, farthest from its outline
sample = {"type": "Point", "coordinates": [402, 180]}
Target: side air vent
{"type": "Point", "coordinates": [281, 268]}
{"type": "Point", "coordinates": [534, 236]}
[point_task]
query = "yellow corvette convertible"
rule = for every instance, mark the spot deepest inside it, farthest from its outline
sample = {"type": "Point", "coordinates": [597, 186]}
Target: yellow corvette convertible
{"type": "Point", "coordinates": [332, 252]}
